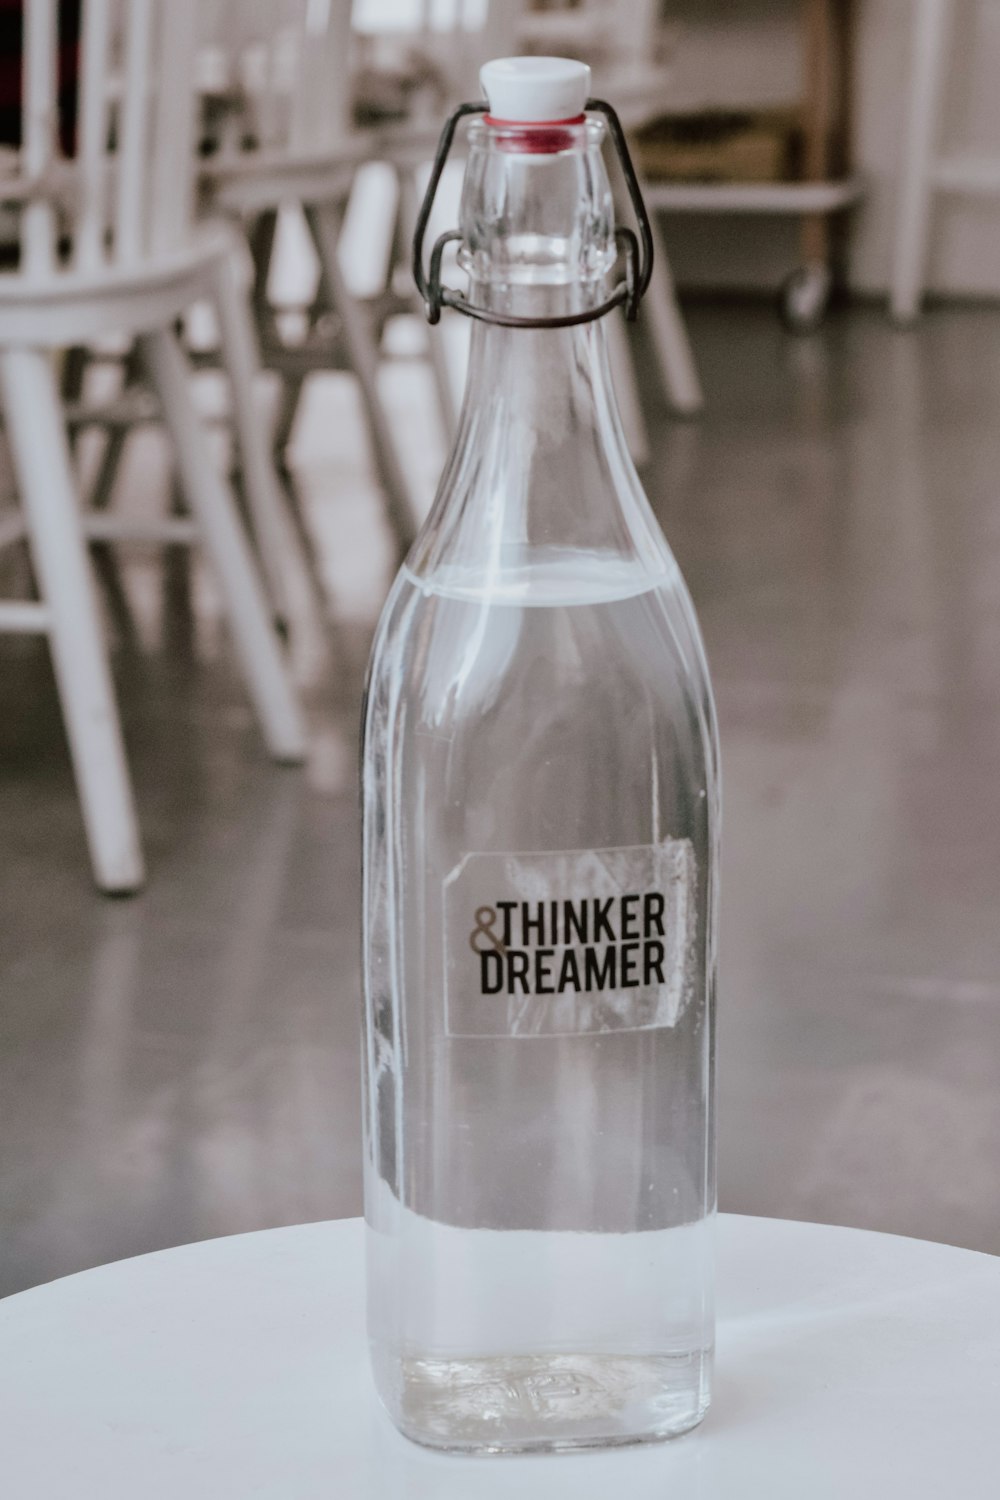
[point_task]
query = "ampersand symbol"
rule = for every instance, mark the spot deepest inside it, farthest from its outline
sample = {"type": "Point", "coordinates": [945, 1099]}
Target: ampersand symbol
{"type": "Point", "coordinates": [485, 917]}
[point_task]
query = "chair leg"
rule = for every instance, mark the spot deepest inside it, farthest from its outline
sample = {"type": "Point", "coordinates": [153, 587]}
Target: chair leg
{"type": "Point", "coordinates": [678, 372]}
{"type": "Point", "coordinates": [114, 447]}
{"type": "Point", "coordinates": [448, 398]}
{"type": "Point", "coordinates": [289, 399]}
{"type": "Point", "coordinates": [261, 238]}
{"type": "Point", "coordinates": [324, 221]}
{"type": "Point", "coordinates": [627, 389]}
{"type": "Point", "coordinates": [671, 345]}
{"type": "Point", "coordinates": [310, 552]}
{"type": "Point", "coordinates": [930, 60]}
{"type": "Point", "coordinates": [74, 372]}
{"type": "Point", "coordinates": [102, 553]}
{"type": "Point", "coordinates": [40, 452]}
{"type": "Point", "coordinates": [212, 504]}
{"type": "Point", "coordinates": [108, 468]}
{"type": "Point", "coordinates": [241, 358]}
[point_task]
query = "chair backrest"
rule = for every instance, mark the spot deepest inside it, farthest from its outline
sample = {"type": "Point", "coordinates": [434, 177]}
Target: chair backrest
{"type": "Point", "coordinates": [291, 60]}
{"type": "Point", "coordinates": [126, 197]}
{"type": "Point", "coordinates": [288, 65]}
{"type": "Point", "coordinates": [463, 34]}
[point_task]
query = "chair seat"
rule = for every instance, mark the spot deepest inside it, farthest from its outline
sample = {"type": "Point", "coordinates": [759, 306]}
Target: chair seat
{"type": "Point", "coordinates": [74, 307]}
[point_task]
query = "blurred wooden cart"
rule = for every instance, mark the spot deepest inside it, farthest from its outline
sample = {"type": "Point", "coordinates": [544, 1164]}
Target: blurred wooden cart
{"type": "Point", "coordinates": [821, 189]}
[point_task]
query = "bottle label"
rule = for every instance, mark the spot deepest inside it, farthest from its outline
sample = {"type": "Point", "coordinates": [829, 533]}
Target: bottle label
{"type": "Point", "coordinates": [576, 941]}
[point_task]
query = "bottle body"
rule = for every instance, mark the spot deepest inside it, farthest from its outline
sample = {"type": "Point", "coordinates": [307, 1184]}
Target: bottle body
{"type": "Point", "coordinates": [540, 1157]}
{"type": "Point", "coordinates": [540, 830]}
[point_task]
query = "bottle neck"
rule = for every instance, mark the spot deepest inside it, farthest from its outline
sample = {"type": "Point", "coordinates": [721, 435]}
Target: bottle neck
{"type": "Point", "coordinates": [540, 470]}
{"type": "Point", "coordinates": [540, 474]}
{"type": "Point", "coordinates": [539, 408]}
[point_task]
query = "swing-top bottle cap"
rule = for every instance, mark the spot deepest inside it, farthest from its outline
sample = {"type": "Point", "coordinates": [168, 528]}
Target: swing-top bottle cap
{"type": "Point", "coordinates": [535, 90]}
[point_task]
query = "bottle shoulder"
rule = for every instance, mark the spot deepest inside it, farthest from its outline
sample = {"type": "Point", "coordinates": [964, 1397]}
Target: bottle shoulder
{"type": "Point", "coordinates": [538, 639]}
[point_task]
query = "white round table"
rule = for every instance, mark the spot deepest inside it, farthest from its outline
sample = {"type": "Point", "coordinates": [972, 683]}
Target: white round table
{"type": "Point", "coordinates": [849, 1365]}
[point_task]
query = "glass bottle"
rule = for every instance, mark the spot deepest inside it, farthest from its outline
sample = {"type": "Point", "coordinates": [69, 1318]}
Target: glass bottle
{"type": "Point", "coordinates": [540, 846]}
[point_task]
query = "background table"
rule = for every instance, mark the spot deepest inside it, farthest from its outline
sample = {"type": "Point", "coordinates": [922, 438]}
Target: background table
{"type": "Point", "coordinates": [850, 1365]}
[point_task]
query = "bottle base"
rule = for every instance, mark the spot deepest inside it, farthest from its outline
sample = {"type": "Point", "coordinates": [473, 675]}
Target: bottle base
{"type": "Point", "coordinates": [550, 1403]}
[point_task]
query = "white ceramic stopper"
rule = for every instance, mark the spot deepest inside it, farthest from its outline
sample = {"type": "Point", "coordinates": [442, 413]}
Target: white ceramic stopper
{"type": "Point", "coordinates": [534, 89]}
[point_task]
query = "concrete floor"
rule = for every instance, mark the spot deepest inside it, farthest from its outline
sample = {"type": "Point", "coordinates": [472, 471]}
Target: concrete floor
{"type": "Point", "coordinates": [185, 1064]}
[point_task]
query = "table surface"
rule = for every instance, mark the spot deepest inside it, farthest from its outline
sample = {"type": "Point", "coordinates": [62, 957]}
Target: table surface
{"type": "Point", "coordinates": [849, 1364]}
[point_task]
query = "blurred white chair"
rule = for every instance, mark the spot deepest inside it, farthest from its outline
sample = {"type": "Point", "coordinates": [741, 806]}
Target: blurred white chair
{"type": "Point", "coordinates": [107, 245]}
{"type": "Point", "coordinates": [290, 62]}
{"type": "Point", "coordinates": [924, 171]}
{"type": "Point", "coordinates": [287, 64]}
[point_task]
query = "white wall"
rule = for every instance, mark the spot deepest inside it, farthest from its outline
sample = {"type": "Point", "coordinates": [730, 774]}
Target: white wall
{"type": "Point", "coordinates": [965, 246]}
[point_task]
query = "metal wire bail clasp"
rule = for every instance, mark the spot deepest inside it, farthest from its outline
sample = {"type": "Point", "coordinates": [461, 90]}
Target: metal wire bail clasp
{"type": "Point", "coordinates": [637, 251]}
